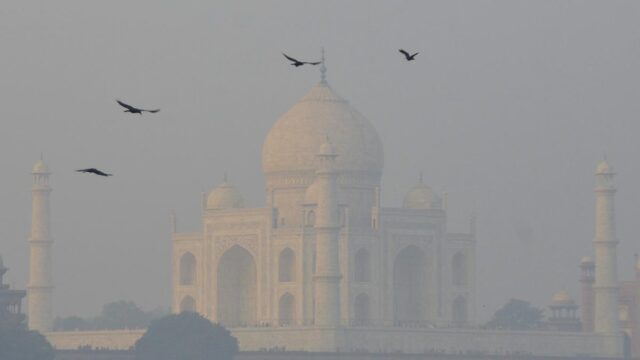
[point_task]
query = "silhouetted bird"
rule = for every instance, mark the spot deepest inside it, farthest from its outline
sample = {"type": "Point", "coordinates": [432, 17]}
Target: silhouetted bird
{"type": "Point", "coordinates": [94, 171]}
{"type": "Point", "coordinates": [297, 63]}
{"type": "Point", "coordinates": [408, 56]}
{"type": "Point", "coordinates": [134, 110]}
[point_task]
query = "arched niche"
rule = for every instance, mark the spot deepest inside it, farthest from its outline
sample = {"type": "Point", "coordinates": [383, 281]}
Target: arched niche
{"type": "Point", "coordinates": [236, 292]}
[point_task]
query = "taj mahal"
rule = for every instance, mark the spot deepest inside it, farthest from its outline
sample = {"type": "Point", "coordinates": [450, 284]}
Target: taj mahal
{"type": "Point", "coordinates": [323, 251]}
{"type": "Point", "coordinates": [324, 267]}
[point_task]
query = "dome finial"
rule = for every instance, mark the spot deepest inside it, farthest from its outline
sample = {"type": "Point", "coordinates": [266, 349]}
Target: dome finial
{"type": "Point", "coordinates": [225, 177]}
{"type": "Point", "coordinates": [323, 69]}
{"type": "Point", "coordinates": [421, 177]}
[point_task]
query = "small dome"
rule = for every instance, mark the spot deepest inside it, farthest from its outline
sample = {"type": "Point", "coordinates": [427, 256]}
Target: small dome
{"type": "Point", "coordinates": [225, 196]}
{"type": "Point", "coordinates": [419, 197]}
{"type": "Point", "coordinates": [40, 168]}
{"type": "Point", "coordinates": [562, 298]}
{"type": "Point", "coordinates": [586, 260]}
{"type": "Point", "coordinates": [604, 168]}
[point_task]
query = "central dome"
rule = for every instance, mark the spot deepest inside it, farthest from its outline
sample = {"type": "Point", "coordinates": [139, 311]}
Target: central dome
{"type": "Point", "coordinates": [293, 142]}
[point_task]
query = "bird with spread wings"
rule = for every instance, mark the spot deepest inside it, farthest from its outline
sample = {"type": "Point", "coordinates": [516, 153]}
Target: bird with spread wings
{"type": "Point", "coordinates": [296, 62]}
{"type": "Point", "coordinates": [94, 171]}
{"type": "Point", "coordinates": [134, 110]}
{"type": "Point", "coordinates": [408, 56]}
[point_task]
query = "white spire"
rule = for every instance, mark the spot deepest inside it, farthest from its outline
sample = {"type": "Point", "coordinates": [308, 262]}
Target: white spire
{"type": "Point", "coordinates": [40, 287]}
{"type": "Point", "coordinates": [323, 69]}
{"type": "Point", "coordinates": [605, 241]}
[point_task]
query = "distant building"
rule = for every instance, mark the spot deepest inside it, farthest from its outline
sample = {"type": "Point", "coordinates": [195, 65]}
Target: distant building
{"type": "Point", "coordinates": [564, 313]}
{"type": "Point", "coordinates": [10, 300]}
{"type": "Point", "coordinates": [324, 267]}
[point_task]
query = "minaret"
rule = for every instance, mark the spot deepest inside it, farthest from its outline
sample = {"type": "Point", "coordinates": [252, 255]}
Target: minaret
{"type": "Point", "coordinates": [606, 319]}
{"type": "Point", "coordinates": [327, 277]}
{"type": "Point", "coordinates": [40, 286]}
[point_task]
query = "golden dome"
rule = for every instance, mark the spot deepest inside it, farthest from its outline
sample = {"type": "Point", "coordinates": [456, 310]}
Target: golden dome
{"type": "Point", "coordinates": [40, 168]}
{"type": "Point", "coordinates": [225, 196]}
{"type": "Point", "coordinates": [293, 142]}
{"type": "Point", "coordinates": [562, 298]}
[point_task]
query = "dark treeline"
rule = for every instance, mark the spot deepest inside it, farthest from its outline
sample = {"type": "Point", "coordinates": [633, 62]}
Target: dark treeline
{"type": "Point", "coordinates": [114, 316]}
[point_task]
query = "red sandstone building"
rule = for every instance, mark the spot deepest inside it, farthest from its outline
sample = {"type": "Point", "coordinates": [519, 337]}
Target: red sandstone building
{"type": "Point", "coordinates": [10, 300]}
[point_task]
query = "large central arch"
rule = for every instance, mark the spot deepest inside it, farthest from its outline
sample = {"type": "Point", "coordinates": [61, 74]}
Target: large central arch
{"type": "Point", "coordinates": [236, 288]}
{"type": "Point", "coordinates": [410, 301]}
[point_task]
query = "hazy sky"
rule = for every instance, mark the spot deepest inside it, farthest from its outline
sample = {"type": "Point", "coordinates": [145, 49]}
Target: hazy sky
{"type": "Point", "coordinates": [509, 106]}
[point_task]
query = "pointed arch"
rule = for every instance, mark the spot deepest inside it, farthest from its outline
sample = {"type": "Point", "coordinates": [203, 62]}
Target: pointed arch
{"type": "Point", "coordinates": [287, 310]}
{"type": "Point", "coordinates": [236, 292]}
{"type": "Point", "coordinates": [188, 304]}
{"type": "Point", "coordinates": [459, 311]}
{"type": "Point", "coordinates": [362, 266]}
{"type": "Point", "coordinates": [187, 269]}
{"type": "Point", "coordinates": [311, 218]}
{"type": "Point", "coordinates": [410, 302]}
{"type": "Point", "coordinates": [459, 269]}
{"type": "Point", "coordinates": [287, 266]}
{"type": "Point", "coordinates": [362, 310]}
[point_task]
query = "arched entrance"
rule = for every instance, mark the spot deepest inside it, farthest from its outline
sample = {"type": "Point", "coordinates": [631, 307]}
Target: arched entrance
{"type": "Point", "coordinates": [410, 287]}
{"type": "Point", "coordinates": [287, 310]}
{"type": "Point", "coordinates": [361, 310]}
{"type": "Point", "coordinates": [236, 288]}
{"type": "Point", "coordinates": [187, 304]}
{"type": "Point", "coordinates": [459, 311]}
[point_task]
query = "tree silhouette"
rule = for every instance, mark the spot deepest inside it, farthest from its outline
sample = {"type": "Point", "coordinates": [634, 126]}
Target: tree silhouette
{"type": "Point", "coordinates": [516, 315]}
{"type": "Point", "coordinates": [187, 336]}
{"type": "Point", "coordinates": [115, 315]}
{"type": "Point", "coordinates": [18, 343]}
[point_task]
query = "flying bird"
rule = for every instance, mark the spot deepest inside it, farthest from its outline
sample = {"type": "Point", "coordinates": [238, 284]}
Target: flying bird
{"type": "Point", "coordinates": [135, 110]}
{"type": "Point", "coordinates": [94, 171]}
{"type": "Point", "coordinates": [296, 62]}
{"type": "Point", "coordinates": [407, 55]}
